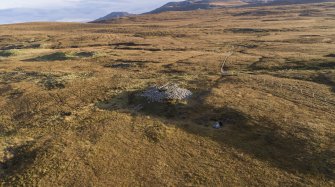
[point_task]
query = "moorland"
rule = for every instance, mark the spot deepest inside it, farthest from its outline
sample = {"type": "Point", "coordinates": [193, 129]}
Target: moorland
{"type": "Point", "coordinates": [68, 116]}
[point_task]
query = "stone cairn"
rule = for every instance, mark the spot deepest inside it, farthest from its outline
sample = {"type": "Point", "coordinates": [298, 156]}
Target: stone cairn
{"type": "Point", "coordinates": [165, 93]}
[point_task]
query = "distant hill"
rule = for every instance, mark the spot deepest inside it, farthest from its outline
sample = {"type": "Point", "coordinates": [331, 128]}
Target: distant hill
{"type": "Point", "coordinates": [183, 6]}
{"type": "Point", "coordinates": [283, 2]}
{"type": "Point", "coordinates": [190, 5]}
{"type": "Point", "coordinates": [114, 15]}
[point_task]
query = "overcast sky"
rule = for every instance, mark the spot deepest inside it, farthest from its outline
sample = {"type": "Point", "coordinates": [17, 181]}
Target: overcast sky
{"type": "Point", "coordinates": [14, 11]}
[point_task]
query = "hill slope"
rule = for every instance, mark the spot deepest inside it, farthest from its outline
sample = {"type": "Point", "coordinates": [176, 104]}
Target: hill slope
{"type": "Point", "coordinates": [190, 5]}
{"type": "Point", "coordinates": [114, 15]}
{"type": "Point", "coordinates": [209, 4]}
{"type": "Point", "coordinates": [183, 6]}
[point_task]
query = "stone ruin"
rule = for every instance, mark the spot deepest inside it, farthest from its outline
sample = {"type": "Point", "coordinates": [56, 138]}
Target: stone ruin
{"type": "Point", "coordinates": [165, 93]}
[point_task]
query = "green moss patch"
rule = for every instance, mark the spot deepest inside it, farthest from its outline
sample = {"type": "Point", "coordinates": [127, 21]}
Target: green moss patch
{"type": "Point", "coordinates": [7, 53]}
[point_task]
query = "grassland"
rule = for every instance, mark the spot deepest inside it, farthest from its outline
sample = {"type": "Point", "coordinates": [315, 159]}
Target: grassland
{"type": "Point", "coordinates": [68, 116]}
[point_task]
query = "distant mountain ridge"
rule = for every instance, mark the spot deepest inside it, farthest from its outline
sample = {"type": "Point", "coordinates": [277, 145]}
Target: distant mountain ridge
{"type": "Point", "coordinates": [183, 6]}
{"type": "Point", "coordinates": [270, 2]}
{"type": "Point", "coordinates": [189, 5]}
{"type": "Point", "coordinates": [113, 15]}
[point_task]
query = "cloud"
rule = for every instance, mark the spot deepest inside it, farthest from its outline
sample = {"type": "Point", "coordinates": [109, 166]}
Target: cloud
{"type": "Point", "coordinates": [47, 4]}
{"type": "Point", "coordinates": [10, 4]}
{"type": "Point", "coordinates": [13, 11]}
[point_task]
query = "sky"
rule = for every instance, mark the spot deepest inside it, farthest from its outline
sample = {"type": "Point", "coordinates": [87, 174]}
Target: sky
{"type": "Point", "coordinates": [16, 11]}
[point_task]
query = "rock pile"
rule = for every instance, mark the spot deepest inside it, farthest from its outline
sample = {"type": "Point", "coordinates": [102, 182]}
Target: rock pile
{"type": "Point", "coordinates": [166, 93]}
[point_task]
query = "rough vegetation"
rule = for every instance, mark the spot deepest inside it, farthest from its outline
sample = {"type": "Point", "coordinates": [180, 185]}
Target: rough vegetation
{"type": "Point", "coordinates": [70, 115]}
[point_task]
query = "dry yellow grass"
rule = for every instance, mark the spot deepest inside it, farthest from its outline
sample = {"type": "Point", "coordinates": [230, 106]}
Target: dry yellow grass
{"type": "Point", "coordinates": [68, 116]}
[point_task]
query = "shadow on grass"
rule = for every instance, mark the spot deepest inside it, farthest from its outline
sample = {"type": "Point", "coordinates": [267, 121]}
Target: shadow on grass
{"type": "Point", "coordinates": [325, 78]}
{"type": "Point", "coordinates": [331, 55]}
{"type": "Point", "coordinates": [23, 158]}
{"type": "Point", "coordinates": [263, 138]}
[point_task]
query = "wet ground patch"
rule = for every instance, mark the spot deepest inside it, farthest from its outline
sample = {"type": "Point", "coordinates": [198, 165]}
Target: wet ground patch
{"type": "Point", "coordinates": [160, 34]}
{"type": "Point", "coordinates": [144, 48]}
{"type": "Point", "coordinates": [129, 44]}
{"type": "Point", "coordinates": [63, 56]}
{"type": "Point", "coordinates": [21, 46]}
{"type": "Point", "coordinates": [247, 30]}
{"type": "Point", "coordinates": [57, 56]}
{"type": "Point", "coordinates": [120, 65]}
{"type": "Point", "coordinates": [256, 13]}
{"type": "Point", "coordinates": [250, 45]}
{"type": "Point", "coordinates": [134, 46]}
{"type": "Point", "coordinates": [307, 39]}
{"type": "Point", "coordinates": [85, 54]}
{"type": "Point", "coordinates": [256, 30]}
